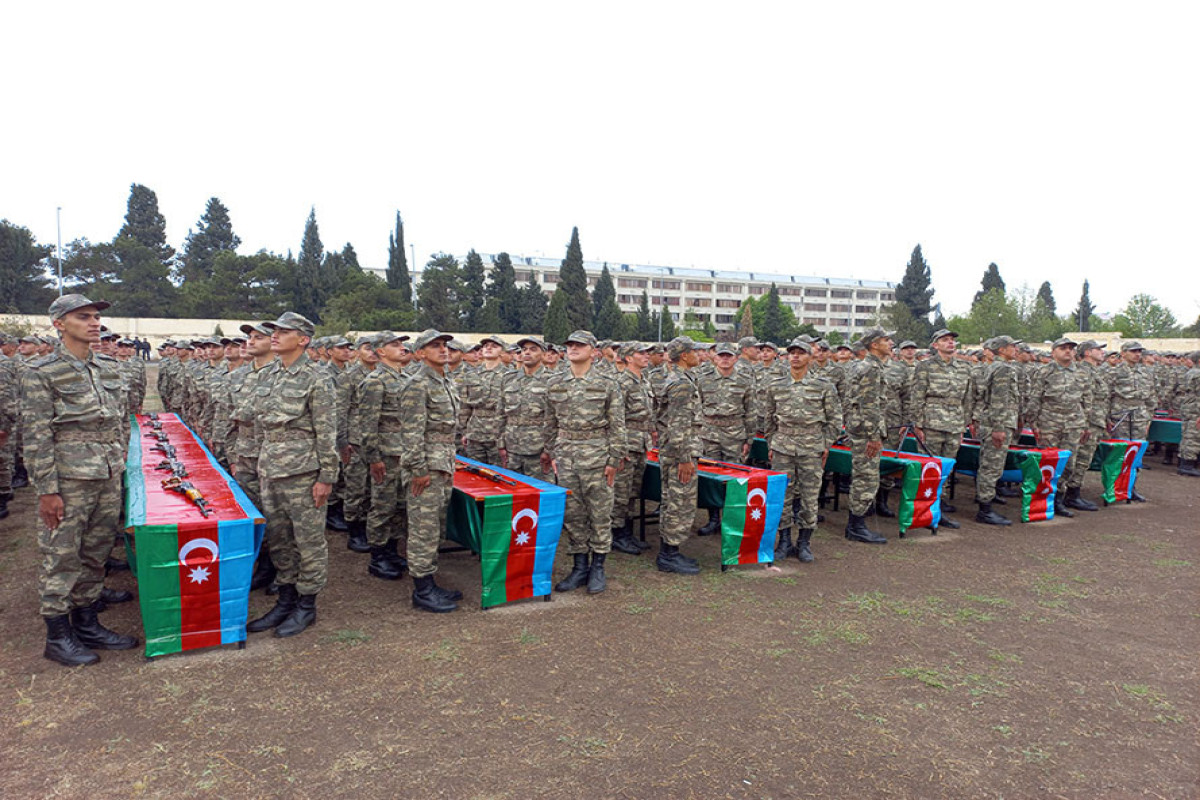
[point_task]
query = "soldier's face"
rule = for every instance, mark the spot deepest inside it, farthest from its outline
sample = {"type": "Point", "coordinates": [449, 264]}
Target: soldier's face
{"type": "Point", "coordinates": [391, 352]}
{"type": "Point", "coordinates": [456, 357]}
{"type": "Point", "coordinates": [750, 353]}
{"type": "Point", "coordinates": [490, 350]}
{"type": "Point", "coordinates": [725, 361]}
{"type": "Point", "coordinates": [435, 353]}
{"type": "Point", "coordinates": [284, 340]}
{"type": "Point", "coordinates": [1064, 354]}
{"type": "Point", "coordinates": [638, 360]}
{"type": "Point", "coordinates": [822, 355]}
{"type": "Point", "coordinates": [656, 359]}
{"type": "Point", "coordinates": [945, 345]}
{"type": "Point", "coordinates": [233, 350]}
{"type": "Point", "coordinates": [908, 353]}
{"type": "Point", "coordinates": [797, 358]}
{"type": "Point", "coordinates": [27, 348]}
{"type": "Point", "coordinates": [471, 356]}
{"type": "Point", "coordinates": [579, 353]}
{"type": "Point", "coordinates": [531, 354]}
{"type": "Point", "coordinates": [842, 355]}
{"type": "Point", "coordinates": [406, 356]}
{"type": "Point", "coordinates": [342, 354]}
{"type": "Point", "coordinates": [881, 347]}
{"type": "Point", "coordinates": [258, 344]}
{"type": "Point", "coordinates": [1132, 356]}
{"type": "Point", "coordinates": [1094, 356]}
{"type": "Point", "coordinates": [768, 356]}
{"type": "Point", "coordinates": [81, 325]}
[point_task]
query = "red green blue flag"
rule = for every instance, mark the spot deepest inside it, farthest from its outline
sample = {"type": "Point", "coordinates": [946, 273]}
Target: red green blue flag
{"type": "Point", "coordinates": [1042, 468]}
{"type": "Point", "coordinates": [750, 517]}
{"type": "Point", "coordinates": [1118, 470]}
{"type": "Point", "coordinates": [921, 489]}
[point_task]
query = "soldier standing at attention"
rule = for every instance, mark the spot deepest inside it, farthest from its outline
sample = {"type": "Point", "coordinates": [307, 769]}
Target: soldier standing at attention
{"type": "Point", "coordinates": [730, 415]}
{"type": "Point", "coordinates": [481, 404]}
{"type": "Point", "coordinates": [866, 427]}
{"type": "Point", "coordinates": [71, 403]}
{"type": "Point", "coordinates": [243, 442]}
{"type": "Point", "coordinates": [585, 439]}
{"type": "Point", "coordinates": [356, 493]}
{"type": "Point", "coordinates": [521, 422]}
{"type": "Point", "coordinates": [297, 467]}
{"type": "Point", "coordinates": [1090, 355]}
{"type": "Point", "coordinates": [942, 397]}
{"type": "Point", "coordinates": [998, 412]}
{"type": "Point", "coordinates": [1187, 398]}
{"type": "Point", "coordinates": [639, 437]}
{"type": "Point", "coordinates": [380, 423]}
{"type": "Point", "coordinates": [678, 450]}
{"type": "Point", "coordinates": [1132, 398]}
{"type": "Point", "coordinates": [428, 412]}
{"type": "Point", "coordinates": [1059, 404]}
{"type": "Point", "coordinates": [9, 411]}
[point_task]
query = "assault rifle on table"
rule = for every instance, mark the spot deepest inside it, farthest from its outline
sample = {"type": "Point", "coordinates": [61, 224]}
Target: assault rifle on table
{"type": "Point", "coordinates": [708, 462]}
{"type": "Point", "coordinates": [159, 435]}
{"type": "Point", "coordinates": [483, 472]}
{"type": "Point", "coordinates": [167, 450]}
{"type": "Point", "coordinates": [189, 491]}
{"type": "Point", "coordinates": [174, 466]}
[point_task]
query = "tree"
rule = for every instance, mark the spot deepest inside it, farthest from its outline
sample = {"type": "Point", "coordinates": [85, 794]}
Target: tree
{"type": "Point", "coordinates": [144, 223]}
{"type": "Point", "coordinates": [1192, 331]}
{"type": "Point", "coordinates": [668, 324]}
{"type": "Point", "coordinates": [142, 287]}
{"type": "Point", "coordinates": [557, 326]}
{"type": "Point", "coordinates": [778, 319]}
{"type": "Point", "coordinates": [310, 297]}
{"type": "Point", "coordinates": [1046, 295]}
{"type": "Point", "coordinates": [398, 277]}
{"type": "Point", "coordinates": [915, 293]}
{"type": "Point", "coordinates": [647, 329]}
{"type": "Point", "coordinates": [214, 234]}
{"type": "Point", "coordinates": [992, 314]}
{"type": "Point", "coordinates": [503, 303]}
{"type": "Point", "coordinates": [1144, 317]}
{"type": "Point", "coordinates": [471, 294]}
{"type": "Point", "coordinates": [531, 305]}
{"type": "Point", "coordinates": [438, 294]}
{"type": "Point", "coordinates": [991, 280]}
{"type": "Point", "coordinates": [746, 323]}
{"type": "Point", "coordinates": [365, 302]}
{"type": "Point", "coordinates": [23, 284]}
{"type": "Point", "coordinates": [573, 284]}
{"type": "Point", "coordinates": [604, 305]}
{"type": "Point", "coordinates": [1084, 311]}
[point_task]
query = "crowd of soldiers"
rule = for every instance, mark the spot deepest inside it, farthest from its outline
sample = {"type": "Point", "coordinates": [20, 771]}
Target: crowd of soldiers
{"type": "Point", "coordinates": [359, 435]}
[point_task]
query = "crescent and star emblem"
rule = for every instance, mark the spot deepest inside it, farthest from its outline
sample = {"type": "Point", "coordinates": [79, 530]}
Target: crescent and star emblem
{"type": "Point", "coordinates": [198, 574]}
{"type": "Point", "coordinates": [525, 513]}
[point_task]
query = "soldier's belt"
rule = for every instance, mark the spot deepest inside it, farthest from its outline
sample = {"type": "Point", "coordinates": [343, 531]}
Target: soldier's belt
{"type": "Point", "coordinates": [589, 435]}
{"type": "Point", "coordinates": [289, 435]}
{"type": "Point", "coordinates": [798, 430]}
{"type": "Point", "coordinates": [92, 437]}
{"type": "Point", "coordinates": [389, 427]}
{"type": "Point", "coordinates": [725, 420]}
{"type": "Point", "coordinates": [644, 427]}
{"type": "Point", "coordinates": [526, 422]}
{"type": "Point", "coordinates": [440, 438]}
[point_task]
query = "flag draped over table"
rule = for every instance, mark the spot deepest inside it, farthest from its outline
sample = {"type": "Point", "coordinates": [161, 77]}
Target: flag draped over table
{"type": "Point", "coordinates": [750, 517]}
{"type": "Point", "coordinates": [1042, 469]}
{"type": "Point", "coordinates": [1118, 470]}
{"type": "Point", "coordinates": [921, 489]}
{"type": "Point", "coordinates": [193, 572]}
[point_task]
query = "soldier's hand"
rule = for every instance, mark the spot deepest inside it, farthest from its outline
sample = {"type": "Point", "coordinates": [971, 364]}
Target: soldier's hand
{"type": "Point", "coordinates": [998, 438]}
{"type": "Point", "coordinates": [745, 451]}
{"type": "Point", "coordinates": [503, 457]}
{"type": "Point", "coordinates": [347, 451]}
{"type": "Point", "coordinates": [321, 493]}
{"type": "Point", "coordinates": [687, 471]}
{"type": "Point", "coordinates": [378, 471]}
{"type": "Point", "coordinates": [548, 463]}
{"type": "Point", "coordinates": [874, 447]}
{"type": "Point", "coordinates": [50, 509]}
{"type": "Point", "coordinates": [1084, 437]}
{"type": "Point", "coordinates": [771, 455]}
{"type": "Point", "coordinates": [609, 474]}
{"type": "Point", "coordinates": [419, 485]}
{"type": "Point", "coordinates": [654, 438]}
{"type": "Point", "coordinates": [824, 458]}
{"type": "Point", "coordinates": [920, 434]}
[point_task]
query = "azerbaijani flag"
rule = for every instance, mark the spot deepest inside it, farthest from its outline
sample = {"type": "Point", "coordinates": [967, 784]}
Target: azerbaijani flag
{"type": "Point", "coordinates": [519, 532]}
{"type": "Point", "coordinates": [1118, 470]}
{"type": "Point", "coordinates": [921, 489]}
{"type": "Point", "coordinates": [1042, 469]}
{"type": "Point", "coordinates": [193, 572]}
{"type": "Point", "coordinates": [750, 517]}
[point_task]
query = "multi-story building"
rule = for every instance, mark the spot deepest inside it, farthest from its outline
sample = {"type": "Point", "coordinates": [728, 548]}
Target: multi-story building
{"type": "Point", "coordinates": [709, 295]}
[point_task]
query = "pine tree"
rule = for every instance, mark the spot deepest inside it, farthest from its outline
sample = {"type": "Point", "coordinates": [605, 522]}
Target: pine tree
{"type": "Point", "coordinates": [1046, 295]}
{"type": "Point", "coordinates": [991, 280]}
{"type": "Point", "coordinates": [143, 287]}
{"type": "Point", "coordinates": [669, 331]}
{"type": "Point", "coordinates": [1083, 311]}
{"type": "Point", "coordinates": [647, 328]}
{"type": "Point", "coordinates": [438, 294]}
{"type": "Point", "coordinates": [573, 284]}
{"type": "Point", "coordinates": [398, 276]}
{"type": "Point", "coordinates": [915, 293]}
{"type": "Point", "coordinates": [309, 271]}
{"type": "Point", "coordinates": [213, 235]}
{"type": "Point", "coordinates": [604, 304]}
{"type": "Point", "coordinates": [502, 293]}
{"type": "Point", "coordinates": [145, 224]}
{"type": "Point", "coordinates": [746, 325]}
{"type": "Point", "coordinates": [778, 320]}
{"type": "Point", "coordinates": [532, 306]}
{"type": "Point", "coordinates": [557, 326]}
{"type": "Point", "coordinates": [23, 285]}
{"type": "Point", "coordinates": [471, 293]}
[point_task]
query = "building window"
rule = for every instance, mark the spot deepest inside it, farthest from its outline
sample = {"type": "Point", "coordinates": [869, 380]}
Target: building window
{"type": "Point", "coordinates": [758, 288]}
{"type": "Point", "coordinates": [551, 277]}
{"type": "Point", "coordinates": [670, 300]}
{"type": "Point", "coordinates": [816, 293]}
{"type": "Point", "coordinates": [792, 291]}
{"type": "Point", "coordinates": [728, 304]}
{"type": "Point", "coordinates": [840, 293]}
{"type": "Point", "coordinates": [700, 302]}
{"type": "Point", "coordinates": [697, 317]}
{"type": "Point", "coordinates": [814, 306]}
{"type": "Point", "coordinates": [724, 319]}
{"type": "Point", "coordinates": [670, 286]}
{"type": "Point", "coordinates": [520, 277]}
{"type": "Point", "coordinates": [628, 298]}
{"type": "Point", "coordinates": [699, 287]}
{"type": "Point", "coordinates": [887, 297]}
{"type": "Point", "coordinates": [730, 288]}
{"type": "Point", "coordinates": [817, 321]}
{"type": "Point", "coordinates": [593, 279]}
{"type": "Point", "coordinates": [836, 307]}
{"type": "Point", "coordinates": [862, 323]}
{"type": "Point", "coordinates": [631, 283]}
{"type": "Point", "coordinates": [863, 294]}
{"type": "Point", "coordinates": [839, 322]}
{"type": "Point", "coordinates": [864, 309]}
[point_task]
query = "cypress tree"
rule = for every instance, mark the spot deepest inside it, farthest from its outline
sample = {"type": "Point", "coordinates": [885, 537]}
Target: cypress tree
{"type": "Point", "coordinates": [557, 326]}
{"type": "Point", "coordinates": [310, 271]}
{"type": "Point", "coordinates": [213, 235]}
{"type": "Point", "coordinates": [915, 293]}
{"type": "Point", "coordinates": [471, 294]}
{"type": "Point", "coordinates": [777, 318]}
{"type": "Point", "coordinates": [991, 280]}
{"type": "Point", "coordinates": [1085, 309]}
{"type": "Point", "coordinates": [503, 296]}
{"type": "Point", "coordinates": [647, 328]}
{"type": "Point", "coordinates": [604, 303]}
{"type": "Point", "coordinates": [144, 223]}
{"type": "Point", "coordinates": [574, 286]}
{"type": "Point", "coordinates": [398, 276]}
{"type": "Point", "coordinates": [438, 294]}
{"type": "Point", "coordinates": [532, 305]}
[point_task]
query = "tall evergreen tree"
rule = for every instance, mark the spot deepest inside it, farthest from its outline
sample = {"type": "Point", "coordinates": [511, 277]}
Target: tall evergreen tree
{"type": "Point", "coordinates": [1083, 311]}
{"type": "Point", "coordinates": [145, 224]}
{"type": "Point", "coordinates": [1046, 296]}
{"type": "Point", "coordinates": [647, 329]}
{"type": "Point", "coordinates": [213, 235]}
{"type": "Point", "coordinates": [532, 303]}
{"type": "Point", "coordinates": [915, 293]}
{"type": "Point", "coordinates": [557, 326]}
{"type": "Point", "coordinates": [471, 294]}
{"type": "Point", "coordinates": [746, 324]}
{"type": "Point", "coordinates": [310, 274]}
{"type": "Point", "coordinates": [398, 276]}
{"type": "Point", "coordinates": [778, 320]}
{"type": "Point", "coordinates": [604, 305]}
{"type": "Point", "coordinates": [143, 287]}
{"type": "Point", "coordinates": [23, 284]}
{"type": "Point", "coordinates": [438, 294]}
{"type": "Point", "coordinates": [574, 286]}
{"type": "Point", "coordinates": [502, 294]}
{"type": "Point", "coordinates": [991, 280]}
{"type": "Point", "coordinates": [664, 317]}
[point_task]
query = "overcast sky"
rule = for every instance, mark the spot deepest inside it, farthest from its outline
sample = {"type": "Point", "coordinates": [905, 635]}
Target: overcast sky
{"type": "Point", "coordinates": [1057, 139]}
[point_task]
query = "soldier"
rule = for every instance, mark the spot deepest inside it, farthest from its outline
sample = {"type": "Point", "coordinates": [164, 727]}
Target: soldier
{"type": "Point", "coordinates": [1059, 403]}
{"type": "Point", "coordinates": [428, 412]}
{"type": "Point", "coordinates": [866, 427]}
{"type": "Point", "coordinates": [942, 396]}
{"type": "Point", "coordinates": [356, 487]}
{"type": "Point", "coordinates": [380, 425]}
{"type": "Point", "coordinates": [897, 379]}
{"type": "Point", "coordinates": [803, 418]}
{"type": "Point", "coordinates": [297, 468]}
{"type": "Point", "coordinates": [1187, 397]}
{"type": "Point", "coordinates": [243, 439]}
{"type": "Point", "coordinates": [639, 437]}
{"type": "Point", "coordinates": [481, 403]}
{"type": "Point", "coordinates": [1133, 395]}
{"type": "Point", "coordinates": [585, 441]}
{"type": "Point", "coordinates": [135, 374]}
{"type": "Point", "coordinates": [71, 404]}
{"type": "Point", "coordinates": [9, 412]}
{"type": "Point", "coordinates": [522, 419]}
{"type": "Point", "coordinates": [998, 411]}
{"type": "Point", "coordinates": [678, 450]}
{"type": "Point", "coordinates": [730, 415]}
{"type": "Point", "coordinates": [1091, 356]}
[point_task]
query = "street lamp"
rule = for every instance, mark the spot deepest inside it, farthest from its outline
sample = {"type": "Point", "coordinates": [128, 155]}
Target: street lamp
{"type": "Point", "coordinates": [58, 252]}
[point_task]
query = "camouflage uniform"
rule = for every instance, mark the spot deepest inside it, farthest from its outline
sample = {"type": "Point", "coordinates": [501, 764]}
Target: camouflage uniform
{"type": "Point", "coordinates": [639, 424]}
{"type": "Point", "coordinates": [380, 424]}
{"type": "Point", "coordinates": [480, 413]}
{"type": "Point", "coordinates": [134, 372]}
{"type": "Point", "coordinates": [8, 422]}
{"type": "Point", "coordinates": [1096, 423]}
{"type": "Point", "coordinates": [942, 403]}
{"type": "Point", "coordinates": [998, 411]}
{"type": "Point", "coordinates": [804, 418]}
{"type": "Point", "coordinates": [244, 438]}
{"type": "Point", "coordinates": [1131, 400]}
{"type": "Point", "coordinates": [71, 412]}
{"type": "Point", "coordinates": [1058, 407]}
{"type": "Point", "coordinates": [356, 490]}
{"type": "Point", "coordinates": [730, 413]}
{"type": "Point", "coordinates": [678, 444]}
{"type": "Point", "coordinates": [520, 423]}
{"type": "Point", "coordinates": [864, 409]}
{"type": "Point", "coordinates": [1188, 401]}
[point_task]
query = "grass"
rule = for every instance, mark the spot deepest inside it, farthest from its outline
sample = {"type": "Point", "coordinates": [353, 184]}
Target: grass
{"type": "Point", "coordinates": [929, 677]}
{"type": "Point", "coordinates": [1171, 562]}
{"type": "Point", "coordinates": [350, 637]}
{"type": "Point", "coordinates": [525, 637]}
{"type": "Point", "coordinates": [444, 652]}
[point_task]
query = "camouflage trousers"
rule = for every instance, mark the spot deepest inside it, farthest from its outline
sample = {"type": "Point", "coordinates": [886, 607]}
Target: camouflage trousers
{"type": "Point", "coordinates": [943, 443]}
{"type": "Point", "coordinates": [678, 509]}
{"type": "Point", "coordinates": [627, 488]}
{"type": "Point", "coordinates": [1189, 445]}
{"type": "Point", "coordinates": [8, 453]}
{"type": "Point", "coordinates": [1064, 438]}
{"type": "Point", "coordinates": [892, 442]}
{"type": "Point", "coordinates": [356, 493]}
{"type": "Point", "coordinates": [588, 515]}
{"type": "Point", "coordinates": [388, 515]}
{"type": "Point", "coordinates": [487, 452]}
{"type": "Point", "coordinates": [71, 574]}
{"type": "Point", "coordinates": [528, 465]}
{"type": "Point", "coordinates": [723, 448]}
{"type": "Point", "coordinates": [991, 464]}
{"type": "Point", "coordinates": [804, 472]}
{"type": "Point", "coordinates": [246, 474]}
{"type": "Point", "coordinates": [1083, 459]}
{"type": "Point", "coordinates": [427, 522]}
{"type": "Point", "coordinates": [296, 532]}
{"type": "Point", "coordinates": [864, 477]}
{"type": "Point", "coordinates": [1135, 425]}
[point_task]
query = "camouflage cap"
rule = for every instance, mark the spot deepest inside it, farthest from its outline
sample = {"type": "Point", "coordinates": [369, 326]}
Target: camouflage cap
{"type": "Point", "coordinates": [237, 338]}
{"type": "Point", "coordinates": [680, 345]}
{"type": "Point", "coordinates": [387, 337]}
{"type": "Point", "coordinates": [29, 340]}
{"type": "Point", "coordinates": [1065, 342]}
{"type": "Point", "coordinates": [603, 343]}
{"type": "Point", "coordinates": [494, 339]}
{"type": "Point", "coordinates": [109, 335]}
{"type": "Point", "coordinates": [939, 333]}
{"type": "Point", "coordinates": [907, 343]}
{"type": "Point", "coordinates": [874, 334]}
{"type": "Point", "coordinates": [1091, 344]}
{"type": "Point", "coordinates": [747, 341]}
{"type": "Point", "coordinates": [659, 347]}
{"type": "Point", "coordinates": [428, 337]}
{"type": "Point", "coordinates": [524, 340]}
{"type": "Point", "coordinates": [363, 340]}
{"type": "Point", "coordinates": [126, 342]}
{"type": "Point", "coordinates": [1131, 345]}
{"type": "Point", "coordinates": [857, 346]}
{"type": "Point", "coordinates": [291, 321]}
{"type": "Point", "coordinates": [800, 344]}
{"type": "Point", "coordinates": [455, 344]}
{"type": "Point", "coordinates": [843, 346]}
{"type": "Point", "coordinates": [582, 337]}
{"type": "Point", "coordinates": [822, 344]}
{"type": "Point", "coordinates": [338, 341]}
{"type": "Point", "coordinates": [629, 348]}
{"type": "Point", "coordinates": [725, 349]}
{"type": "Point", "coordinates": [74, 302]}
{"type": "Point", "coordinates": [255, 327]}
{"type": "Point", "coordinates": [770, 346]}
{"type": "Point", "coordinates": [1004, 341]}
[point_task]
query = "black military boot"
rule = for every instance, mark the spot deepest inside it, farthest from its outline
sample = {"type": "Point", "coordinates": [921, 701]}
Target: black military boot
{"type": "Point", "coordinates": [803, 540]}
{"type": "Point", "coordinates": [596, 581]}
{"type": "Point", "coordinates": [671, 560]}
{"type": "Point", "coordinates": [1169, 454]}
{"type": "Point", "coordinates": [1073, 500]}
{"type": "Point", "coordinates": [3, 507]}
{"type": "Point", "coordinates": [334, 519]}
{"type": "Point", "coordinates": [111, 597]}
{"type": "Point", "coordinates": [783, 544]}
{"type": "Point", "coordinates": [115, 565]}
{"type": "Point", "coordinates": [285, 604]}
{"type": "Point", "coordinates": [93, 635]}
{"type": "Point", "coordinates": [622, 542]}
{"type": "Point", "coordinates": [392, 550]}
{"type": "Point", "coordinates": [1004, 489]}
{"type": "Point", "coordinates": [946, 522]}
{"type": "Point", "coordinates": [713, 525]}
{"type": "Point", "coordinates": [425, 597]}
{"type": "Point", "coordinates": [357, 540]}
{"type": "Point", "coordinates": [881, 504]}
{"type": "Point", "coordinates": [578, 577]}
{"type": "Point", "coordinates": [1136, 497]}
{"type": "Point", "coordinates": [643, 546]}
{"type": "Point", "coordinates": [382, 566]}
{"type": "Point", "coordinates": [454, 595]}
{"type": "Point", "coordinates": [20, 478]}
{"type": "Point", "coordinates": [857, 531]}
{"type": "Point", "coordinates": [1190, 468]}
{"type": "Point", "coordinates": [303, 615]}
{"type": "Point", "coordinates": [63, 646]}
{"type": "Point", "coordinates": [987, 516]}
{"type": "Point", "coordinates": [1060, 508]}
{"type": "Point", "coordinates": [264, 571]}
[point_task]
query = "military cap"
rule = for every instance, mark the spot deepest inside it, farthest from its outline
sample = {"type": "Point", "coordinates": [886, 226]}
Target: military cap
{"type": "Point", "coordinates": [800, 344]}
{"type": "Point", "coordinates": [680, 345]}
{"type": "Point", "coordinates": [255, 327]}
{"type": "Point", "coordinates": [455, 344]}
{"type": "Point", "coordinates": [225, 340]}
{"type": "Point", "coordinates": [1090, 344]}
{"type": "Point", "coordinates": [747, 341]}
{"type": "Point", "coordinates": [126, 343]}
{"type": "Point", "coordinates": [107, 335]}
{"type": "Point", "coordinates": [387, 337]}
{"type": "Point", "coordinates": [724, 349]}
{"type": "Point", "coordinates": [629, 348]}
{"type": "Point", "coordinates": [291, 321]}
{"type": "Point", "coordinates": [804, 336]}
{"type": "Point", "coordinates": [659, 347]}
{"type": "Point", "coordinates": [582, 337]}
{"type": "Point", "coordinates": [1193, 356]}
{"type": "Point", "coordinates": [494, 340]}
{"type": "Point", "coordinates": [907, 343]}
{"type": "Point", "coordinates": [339, 341]}
{"type": "Point", "coordinates": [29, 340]}
{"type": "Point", "coordinates": [1065, 342]}
{"type": "Point", "coordinates": [940, 333]}
{"type": "Point", "coordinates": [843, 346]}
{"type": "Point", "coordinates": [1004, 341]}
{"type": "Point", "coordinates": [1131, 345]}
{"type": "Point", "coordinates": [822, 344]}
{"type": "Point", "coordinates": [428, 337]}
{"type": "Point", "coordinates": [770, 346]}
{"type": "Point", "coordinates": [858, 346]}
{"type": "Point", "coordinates": [603, 343]}
{"type": "Point", "coordinates": [530, 340]}
{"type": "Point", "coordinates": [361, 340]}
{"type": "Point", "coordinates": [237, 338]}
{"type": "Point", "coordinates": [874, 334]}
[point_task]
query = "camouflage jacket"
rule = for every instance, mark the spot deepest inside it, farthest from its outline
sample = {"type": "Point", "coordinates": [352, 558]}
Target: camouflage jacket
{"type": "Point", "coordinates": [587, 410]}
{"type": "Point", "coordinates": [999, 406]}
{"type": "Point", "coordinates": [244, 436]}
{"type": "Point", "coordinates": [942, 395]}
{"type": "Point", "coordinates": [429, 418]}
{"type": "Point", "coordinates": [834, 372]}
{"type": "Point", "coordinates": [343, 388]}
{"type": "Point", "coordinates": [479, 415]}
{"type": "Point", "coordinates": [1188, 394]}
{"type": "Point", "coordinates": [1130, 388]}
{"type": "Point", "coordinates": [9, 393]}
{"type": "Point", "coordinates": [135, 379]}
{"type": "Point", "coordinates": [678, 412]}
{"type": "Point", "coordinates": [864, 406]}
{"type": "Point", "coordinates": [728, 406]}
{"type": "Point", "coordinates": [639, 411]}
{"type": "Point", "coordinates": [897, 377]}
{"type": "Point", "coordinates": [296, 409]}
{"type": "Point", "coordinates": [803, 416]}
{"type": "Point", "coordinates": [379, 417]}
{"type": "Point", "coordinates": [71, 412]}
{"type": "Point", "coordinates": [1097, 415]}
{"type": "Point", "coordinates": [522, 419]}
{"type": "Point", "coordinates": [1060, 397]}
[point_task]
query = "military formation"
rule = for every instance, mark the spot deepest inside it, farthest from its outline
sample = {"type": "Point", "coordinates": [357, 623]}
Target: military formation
{"type": "Point", "coordinates": [359, 435]}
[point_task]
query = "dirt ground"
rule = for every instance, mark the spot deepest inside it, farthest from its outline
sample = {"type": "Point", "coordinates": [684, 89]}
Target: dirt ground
{"type": "Point", "coordinates": [1049, 660]}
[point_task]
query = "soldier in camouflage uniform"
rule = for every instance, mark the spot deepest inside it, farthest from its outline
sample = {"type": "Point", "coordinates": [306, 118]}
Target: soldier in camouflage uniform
{"type": "Point", "coordinates": [71, 403]}
{"type": "Point", "coordinates": [803, 418]}
{"type": "Point", "coordinates": [639, 437]}
{"type": "Point", "coordinates": [1133, 395]}
{"type": "Point", "coordinates": [522, 413]}
{"type": "Point", "coordinates": [997, 409]}
{"type": "Point", "coordinates": [297, 468]}
{"type": "Point", "coordinates": [678, 450]}
{"type": "Point", "coordinates": [897, 381]}
{"type": "Point", "coordinates": [866, 427]}
{"type": "Point", "coordinates": [429, 411]}
{"type": "Point", "coordinates": [942, 403]}
{"type": "Point", "coordinates": [585, 439]}
{"type": "Point", "coordinates": [356, 493]}
{"type": "Point", "coordinates": [8, 428]}
{"type": "Point", "coordinates": [1091, 356]}
{"type": "Point", "coordinates": [730, 414]}
{"type": "Point", "coordinates": [243, 440]}
{"type": "Point", "coordinates": [1059, 404]}
{"type": "Point", "coordinates": [1187, 400]}
{"type": "Point", "coordinates": [380, 424]}
{"type": "Point", "coordinates": [481, 404]}
{"type": "Point", "coordinates": [341, 355]}
{"type": "Point", "coordinates": [135, 374]}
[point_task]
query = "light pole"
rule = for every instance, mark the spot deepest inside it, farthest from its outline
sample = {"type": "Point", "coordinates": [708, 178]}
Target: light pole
{"type": "Point", "coordinates": [662, 300]}
{"type": "Point", "coordinates": [412, 284]}
{"type": "Point", "coordinates": [58, 252]}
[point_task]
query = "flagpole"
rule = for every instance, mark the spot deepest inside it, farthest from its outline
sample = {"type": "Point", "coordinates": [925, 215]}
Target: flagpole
{"type": "Point", "coordinates": [58, 252]}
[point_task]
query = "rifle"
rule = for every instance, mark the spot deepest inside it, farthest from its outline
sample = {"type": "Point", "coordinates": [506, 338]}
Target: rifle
{"type": "Point", "coordinates": [491, 475]}
{"type": "Point", "coordinates": [159, 435]}
{"type": "Point", "coordinates": [176, 468]}
{"type": "Point", "coordinates": [153, 417]}
{"type": "Point", "coordinates": [708, 462]}
{"type": "Point", "coordinates": [190, 492]}
{"type": "Point", "coordinates": [166, 449]}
